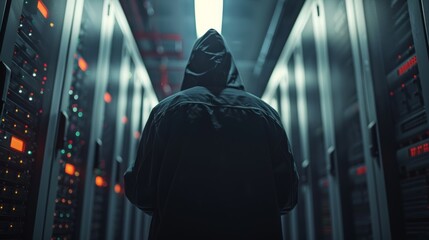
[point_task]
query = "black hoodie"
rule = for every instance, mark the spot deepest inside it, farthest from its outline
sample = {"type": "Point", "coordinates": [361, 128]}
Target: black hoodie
{"type": "Point", "coordinates": [214, 161]}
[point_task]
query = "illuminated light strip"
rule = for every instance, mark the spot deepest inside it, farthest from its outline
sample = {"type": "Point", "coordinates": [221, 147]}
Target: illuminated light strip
{"type": "Point", "coordinates": [361, 170]}
{"type": "Point", "coordinates": [418, 150]}
{"type": "Point", "coordinates": [69, 169]}
{"type": "Point", "coordinates": [17, 144]}
{"type": "Point", "coordinates": [83, 65]}
{"type": "Point", "coordinates": [42, 9]}
{"type": "Point", "coordinates": [407, 65]}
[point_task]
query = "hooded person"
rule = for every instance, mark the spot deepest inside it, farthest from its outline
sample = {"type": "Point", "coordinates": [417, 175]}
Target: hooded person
{"type": "Point", "coordinates": [214, 161]}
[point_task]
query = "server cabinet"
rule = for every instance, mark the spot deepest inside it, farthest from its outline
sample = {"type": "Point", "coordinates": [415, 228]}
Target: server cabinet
{"type": "Point", "coordinates": [31, 78]}
{"type": "Point", "coordinates": [72, 178]}
{"type": "Point", "coordinates": [316, 169]}
{"type": "Point", "coordinates": [281, 102]}
{"type": "Point", "coordinates": [117, 225]}
{"type": "Point", "coordinates": [354, 218]}
{"type": "Point", "coordinates": [330, 128]}
{"type": "Point", "coordinates": [105, 166]}
{"type": "Point", "coordinates": [298, 229]}
{"type": "Point", "coordinates": [120, 224]}
{"type": "Point", "coordinates": [398, 55]}
{"type": "Point", "coordinates": [308, 117]}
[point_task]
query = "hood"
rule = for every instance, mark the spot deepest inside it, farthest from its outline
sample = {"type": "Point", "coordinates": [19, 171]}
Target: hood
{"type": "Point", "coordinates": [211, 65]}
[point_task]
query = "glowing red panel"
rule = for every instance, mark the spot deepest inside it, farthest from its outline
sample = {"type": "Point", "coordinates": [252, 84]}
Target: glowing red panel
{"type": "Point", "coordinates": [17, 144]}
{"type": "Point", "coordinates": [83, 65]}
{"type": "Point", "coordinates": [361, 170]}
{"type": "Point", "coordinates": [406, 66]}
{"type": "Point", "coordinates": [42, 9]}
{"type": "Point", "coordinates": [418, 150]}
{"type": "Point", "coordinates": [69, 169]}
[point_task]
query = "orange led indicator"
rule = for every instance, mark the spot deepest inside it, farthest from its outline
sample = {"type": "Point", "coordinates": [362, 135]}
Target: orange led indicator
{"type": "Point", "coordinates": [118, 188]}
{"type": "Point", "coordinates": [42, 9]}
{"type": "Point", "coordinates": [82, 64]}
{"type": "Point", "coordinates": [17, 144]}
{"type": "Point", "coordinates": [69, 169]}
{"type": "Point", "coordinates": [107, 97]}
{"type": "Point", "coordinates": [99, 181]}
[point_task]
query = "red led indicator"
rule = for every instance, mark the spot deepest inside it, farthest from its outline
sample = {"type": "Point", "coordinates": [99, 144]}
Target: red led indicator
{"type": "Point", "coordinates": [325, 183]}
{"type": "Point", "coordinates": [83, 65]}
{"type": "Point", "coordinates": [418, 150]}
{"type": "Point", "coordinates": [136, 134]}
{"type": "Point", "coordinates": [107, 97]}
{"type": "Point", "coordinates": [124, 119]}
{"type": "Point", "coordinates": [406, 66]}
{"type": "Point", "coordinates": [69, 169]}
{"type": "Point", "coordinates": [361, 170]}
{"type": "Point", "coordinates": [42, 9]}
{"type": "Point", "coordinates": [17, 144]}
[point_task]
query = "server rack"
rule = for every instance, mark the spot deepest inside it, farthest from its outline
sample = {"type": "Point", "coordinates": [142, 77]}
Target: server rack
{"type": "Point", "coordinates": [54, 61]}
{"type": "Point", "coordinates": [31, 78]}
{"type": "Point", "coordinates": [136, 97]}
{"type": "Point", "coordinates": [72, 177]}
{"type": "Point", "coordinates": [351, 178]}
{"type": "Point", "coordinates": [308, 119]}
{"type": "Point", "coordinates": [105, 176]}
{"type": "Point", "coordinates": [399, 69]}
{"type": "Point", "coordinates": [354, 218]}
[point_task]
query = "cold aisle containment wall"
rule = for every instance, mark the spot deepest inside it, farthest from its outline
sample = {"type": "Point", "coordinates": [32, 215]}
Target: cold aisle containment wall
{"type": "Point", "coordinates": [352, 88]}
{"type": "Point", "coordinates": [75, 95]}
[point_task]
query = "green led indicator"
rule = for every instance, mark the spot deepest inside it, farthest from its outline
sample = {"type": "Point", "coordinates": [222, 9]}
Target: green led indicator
{"type": "Point", "coordinates": [77, 133]}
{"type": "Point", "coordinates": [63, 151]}
{"type": "Point", "coordinates": [75, 109]}
{"type": "Point", "coordinates": [70, 146]}
{"type": "Point", "coordinates": [80, 114]}
{"type": "Point", "coordinates": [30, 152]}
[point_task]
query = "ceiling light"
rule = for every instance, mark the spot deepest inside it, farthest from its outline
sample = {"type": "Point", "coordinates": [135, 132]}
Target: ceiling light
{"type": "Point", "coordinates": [208, 14]}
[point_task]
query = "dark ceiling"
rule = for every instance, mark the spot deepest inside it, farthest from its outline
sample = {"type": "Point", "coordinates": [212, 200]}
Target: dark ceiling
{"type": "Point", "coordinates": [255, 31]}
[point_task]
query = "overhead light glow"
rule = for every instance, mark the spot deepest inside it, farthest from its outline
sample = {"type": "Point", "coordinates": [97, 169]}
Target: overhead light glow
{"type": "Point", "coordinates": [208, 14]}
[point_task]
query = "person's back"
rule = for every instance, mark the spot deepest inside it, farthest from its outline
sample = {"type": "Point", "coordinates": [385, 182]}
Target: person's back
{"type": "Point", "coordinates": [214, 161]}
